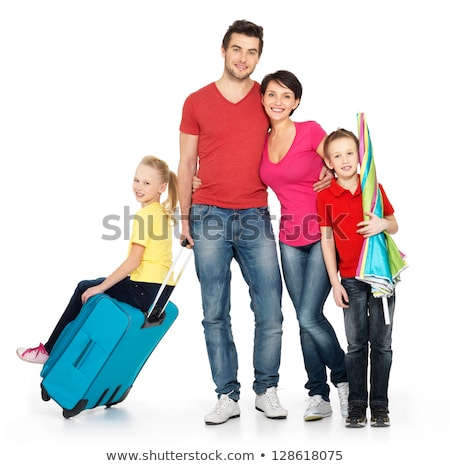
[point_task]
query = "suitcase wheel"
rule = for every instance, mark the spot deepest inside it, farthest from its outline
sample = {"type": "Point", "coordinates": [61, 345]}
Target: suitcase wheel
{"type": "Point", "coordinates": [108, 405]}
{"type": "Point", "coordinates": [44, 394]}
{"type": "Point", "coordinates": [80, 406]}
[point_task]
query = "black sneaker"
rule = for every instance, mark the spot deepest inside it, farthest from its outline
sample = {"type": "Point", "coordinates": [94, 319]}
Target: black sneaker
{"type": "Point", "coordinates": [379, 417]}
{"type": "Point", "coordinates": [356, 416]}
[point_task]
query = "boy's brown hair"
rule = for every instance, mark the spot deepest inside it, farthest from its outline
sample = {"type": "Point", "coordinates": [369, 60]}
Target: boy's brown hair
{"type": "Point", "coordinates": [338, 134]}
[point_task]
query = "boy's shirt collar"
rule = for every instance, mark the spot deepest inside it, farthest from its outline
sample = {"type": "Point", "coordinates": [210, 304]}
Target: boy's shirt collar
{"type": "Point", "coordinates": [338, 190]}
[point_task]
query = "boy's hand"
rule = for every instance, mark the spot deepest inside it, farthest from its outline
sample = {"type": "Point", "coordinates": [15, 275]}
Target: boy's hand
{"type": "Point", "coordinates": [340, 296]}
{"type": "Point", "coordinates": [371, 227]}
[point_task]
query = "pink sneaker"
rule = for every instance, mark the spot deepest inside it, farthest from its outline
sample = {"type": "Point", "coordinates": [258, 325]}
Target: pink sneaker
{"type": "Point", "coordinates": [37, 355]}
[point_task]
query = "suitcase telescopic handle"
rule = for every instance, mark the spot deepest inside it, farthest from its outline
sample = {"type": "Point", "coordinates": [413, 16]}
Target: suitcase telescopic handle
{"type": "Point", "coordinates": [152, 319]}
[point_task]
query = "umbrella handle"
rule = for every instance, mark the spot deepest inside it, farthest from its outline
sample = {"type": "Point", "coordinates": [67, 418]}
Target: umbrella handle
{"type": "Point", "coordinates": [387, 319]}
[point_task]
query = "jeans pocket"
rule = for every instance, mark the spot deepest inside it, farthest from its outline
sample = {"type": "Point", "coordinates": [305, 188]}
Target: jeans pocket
{"type": "Point", "coordinates": [199, 212]}
{"type": "Point", "coordinates": [263, 212]}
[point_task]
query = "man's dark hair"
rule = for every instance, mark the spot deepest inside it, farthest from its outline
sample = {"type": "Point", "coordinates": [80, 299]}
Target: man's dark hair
{"type": "Point", "coordinates": [242, 26]}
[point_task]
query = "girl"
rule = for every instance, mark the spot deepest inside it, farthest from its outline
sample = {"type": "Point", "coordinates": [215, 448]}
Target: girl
{"type": "Point", "coordinates": [137, 280]}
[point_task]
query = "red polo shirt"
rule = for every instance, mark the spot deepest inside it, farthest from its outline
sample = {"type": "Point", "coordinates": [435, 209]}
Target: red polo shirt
{"type": "Point", "coordinates": [339, 208]}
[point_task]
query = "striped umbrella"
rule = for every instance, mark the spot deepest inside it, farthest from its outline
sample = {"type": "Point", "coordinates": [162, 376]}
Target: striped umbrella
{"type": "Point", "coordinates": [380, 262]}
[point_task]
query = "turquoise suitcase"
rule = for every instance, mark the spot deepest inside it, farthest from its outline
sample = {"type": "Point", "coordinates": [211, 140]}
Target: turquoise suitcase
{"type": "Point", "coordinates": [98, 356]}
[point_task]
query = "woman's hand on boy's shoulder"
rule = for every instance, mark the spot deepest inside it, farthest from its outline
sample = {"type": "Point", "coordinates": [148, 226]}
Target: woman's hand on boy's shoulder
{"type": "Point", "coordinates": [325, 177]}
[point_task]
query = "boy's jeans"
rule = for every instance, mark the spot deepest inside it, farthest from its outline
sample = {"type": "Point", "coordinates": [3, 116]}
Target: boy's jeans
{"type": "Point", "coordinates": [367, 333]}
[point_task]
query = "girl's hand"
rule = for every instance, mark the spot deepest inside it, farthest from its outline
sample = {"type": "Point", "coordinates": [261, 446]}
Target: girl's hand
{"type": "Point", "coordinates": [92, 291]}
{"type": "Point", "coordinates": [371, 227]}
{"type": "Point", "coordinates": [340, 296]}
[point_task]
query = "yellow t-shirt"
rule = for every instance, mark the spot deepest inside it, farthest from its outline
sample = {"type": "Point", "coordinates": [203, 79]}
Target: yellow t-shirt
{"type": "Point", "coordinates": [152, 229]}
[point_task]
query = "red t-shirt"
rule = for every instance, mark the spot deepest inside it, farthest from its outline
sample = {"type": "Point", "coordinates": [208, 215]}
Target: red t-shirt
{"type": "Point", "coordinates": [230, 144]}
{"type": "Point", "coordinates": [339, 208]}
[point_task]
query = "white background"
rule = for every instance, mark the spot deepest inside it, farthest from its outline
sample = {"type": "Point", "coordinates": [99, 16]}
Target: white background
{"type": "Point", "coordinates": [89, 87]}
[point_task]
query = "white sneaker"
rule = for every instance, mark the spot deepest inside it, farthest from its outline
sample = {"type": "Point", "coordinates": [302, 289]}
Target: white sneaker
{"type": "Point", "coordinates": [269, 404]}
{"type": "Point", "coordinates": [226, 408]}
{"type": "Point", "coordinates": [317, 409]}
{"type": "Point", "coordinates": [342, 389]}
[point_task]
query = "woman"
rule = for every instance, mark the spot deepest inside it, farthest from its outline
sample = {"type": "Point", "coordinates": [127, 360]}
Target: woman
{"type": "Point", "coordinates": [291, 162]}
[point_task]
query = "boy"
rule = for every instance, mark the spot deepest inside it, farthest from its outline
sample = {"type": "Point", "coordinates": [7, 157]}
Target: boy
{"type": "Point", "coordinates": [343, 230]}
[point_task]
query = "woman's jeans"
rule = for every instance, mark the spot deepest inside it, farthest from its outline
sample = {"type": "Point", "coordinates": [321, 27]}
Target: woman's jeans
{"type": "Point", "coordinates": [365, 328]}
{"type": "Point", "coordinates": [308, 285]}
{"type": "Point", "coordinates": [245, 235]}
{"type": "Point", "coordinates": [137, 294]}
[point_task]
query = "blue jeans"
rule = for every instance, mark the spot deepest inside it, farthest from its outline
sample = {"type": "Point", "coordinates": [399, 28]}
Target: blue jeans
{"type": "Point", "coordinates": [365, 328]}
{"type": "Point", "coordinates": [245, 235]}
{"type": "Point", "coordinates": [308, 285]}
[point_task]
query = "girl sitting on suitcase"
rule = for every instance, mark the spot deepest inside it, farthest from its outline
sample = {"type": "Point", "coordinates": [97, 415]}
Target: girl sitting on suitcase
{"type": "Point", "coordinates": [138, 279]}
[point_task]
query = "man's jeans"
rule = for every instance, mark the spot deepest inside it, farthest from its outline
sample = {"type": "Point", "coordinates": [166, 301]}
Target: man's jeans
{"type": "Point", "coordinates": [308, 285]}
{"type": "Point", "coordinates": [364, 327]}
{"type": "Point", "coordinates": [247, 236]}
